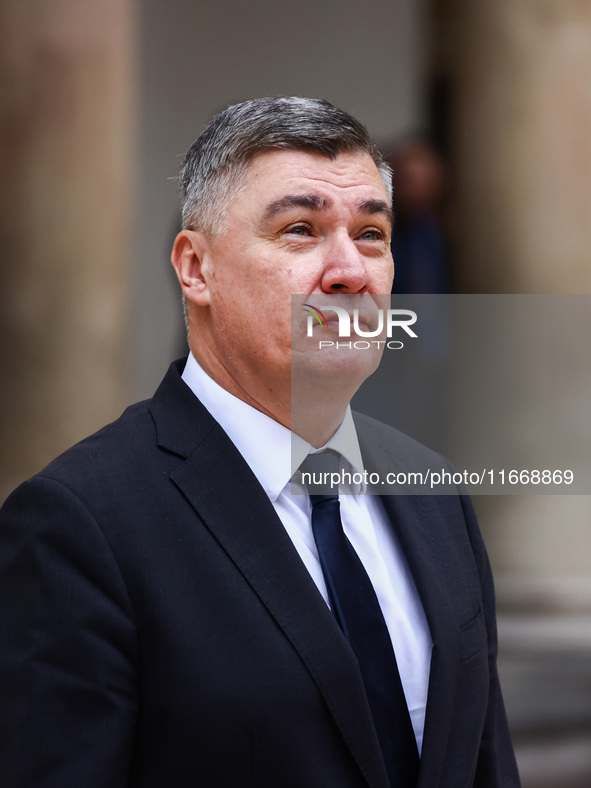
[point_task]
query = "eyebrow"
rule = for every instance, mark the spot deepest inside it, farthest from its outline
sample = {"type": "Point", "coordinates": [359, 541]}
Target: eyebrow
{"type": "Point", "coordinates": [314, 202]}
{"type": "Point", "coordinates": [310, 201]}
{"type": "Point", "coordinates": [377, 206]}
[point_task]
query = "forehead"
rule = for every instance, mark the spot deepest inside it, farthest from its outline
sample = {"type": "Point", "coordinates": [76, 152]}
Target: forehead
{"type": "Point", "coordinates": [350, 176]}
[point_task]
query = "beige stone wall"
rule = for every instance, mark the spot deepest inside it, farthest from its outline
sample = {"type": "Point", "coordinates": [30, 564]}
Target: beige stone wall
{"type": "Point", "coordinates": [66, 164]}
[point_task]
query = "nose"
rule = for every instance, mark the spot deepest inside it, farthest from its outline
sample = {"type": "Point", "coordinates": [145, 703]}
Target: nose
{"type": "Point", "coordinates": [345, 269]}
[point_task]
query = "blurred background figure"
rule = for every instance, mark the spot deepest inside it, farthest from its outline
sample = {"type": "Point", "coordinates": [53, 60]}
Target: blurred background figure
{"type": "Point", "coordinates": [419, 247]}
{"type": "Point", "coordinates": [421, 271]}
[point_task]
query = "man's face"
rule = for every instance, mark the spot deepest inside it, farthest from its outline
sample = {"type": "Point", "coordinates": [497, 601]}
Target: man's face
{"type": "Point", "coordinates": [302, 224]}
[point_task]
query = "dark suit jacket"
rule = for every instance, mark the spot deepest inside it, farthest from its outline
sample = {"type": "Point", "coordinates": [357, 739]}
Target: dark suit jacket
{"type": "Point", "coordinates": [158, 628]}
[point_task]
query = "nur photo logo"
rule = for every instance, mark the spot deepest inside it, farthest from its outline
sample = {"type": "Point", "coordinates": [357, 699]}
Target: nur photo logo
{"type": "Point", "coordinates": [379, 323]}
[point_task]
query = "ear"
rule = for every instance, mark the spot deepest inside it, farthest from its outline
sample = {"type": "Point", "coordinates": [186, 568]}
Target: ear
{"type": "Point", "coordinates": [187, 256]}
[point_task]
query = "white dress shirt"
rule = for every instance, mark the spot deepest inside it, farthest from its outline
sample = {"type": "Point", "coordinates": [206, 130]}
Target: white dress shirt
{"type": "Point", "coordinates": [269, 448]}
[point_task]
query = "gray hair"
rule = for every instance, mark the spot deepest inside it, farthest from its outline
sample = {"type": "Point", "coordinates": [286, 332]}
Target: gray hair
{"type": "Point", "coordinates": [215, 166]}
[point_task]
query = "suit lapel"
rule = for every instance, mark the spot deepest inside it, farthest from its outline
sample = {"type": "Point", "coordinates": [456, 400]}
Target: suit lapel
{"type": "Point", "coordinates": [244, 523]}
{"type": "Point", "coordinates": [412, 517]}
{"type": "Point", "coordinates": [416, 521]}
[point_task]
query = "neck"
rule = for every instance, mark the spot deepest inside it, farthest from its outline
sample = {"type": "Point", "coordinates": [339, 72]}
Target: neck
{"type": "Point", "coordinates": [316, 414]}
{"type": "Point", "coordinates": [312, 412]}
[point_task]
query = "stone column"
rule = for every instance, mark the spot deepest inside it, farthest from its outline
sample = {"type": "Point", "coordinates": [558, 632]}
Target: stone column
{"type": "Point", "coordinates": [520, 72]}
{"type": "Point", "coordinates": [66, 173]}
{"type": "Point", "coordinates": [520, 76]}
{"type": "Point", "coordinates": [522, 129]}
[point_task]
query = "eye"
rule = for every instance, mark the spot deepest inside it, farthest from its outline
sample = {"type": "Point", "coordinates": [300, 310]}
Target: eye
{"type": "Point", "coordinates": [372, 234]}
{"type": "Point", "coordinates": [299, 229]}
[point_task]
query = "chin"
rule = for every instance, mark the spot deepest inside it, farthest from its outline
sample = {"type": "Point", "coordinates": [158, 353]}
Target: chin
{"type": "Point", "coordinates": [333, 368]}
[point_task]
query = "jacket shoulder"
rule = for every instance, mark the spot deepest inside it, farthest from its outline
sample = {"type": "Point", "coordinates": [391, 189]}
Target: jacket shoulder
{"type": "Point", "coordinates": [379, 440]}
{"type": "Point", "coordinates": [105, 449]}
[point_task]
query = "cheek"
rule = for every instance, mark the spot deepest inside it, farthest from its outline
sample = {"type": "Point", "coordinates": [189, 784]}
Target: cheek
{"type": "Point", "coordinates": [384, 277]}
{"type": "Point", "coordinates": [279, 314]}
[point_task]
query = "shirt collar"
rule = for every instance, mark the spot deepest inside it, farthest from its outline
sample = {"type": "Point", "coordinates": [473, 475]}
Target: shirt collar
{"type": "Point", "coordinates": [271, 450]}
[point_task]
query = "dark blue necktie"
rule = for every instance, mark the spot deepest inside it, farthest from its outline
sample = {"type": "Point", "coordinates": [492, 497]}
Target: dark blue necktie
{"type": "Point", "coordinates": [357, 610]}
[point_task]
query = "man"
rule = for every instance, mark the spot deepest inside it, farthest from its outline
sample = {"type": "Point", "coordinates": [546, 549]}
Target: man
{"type": "Point", "coordinates": [167, 617]}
